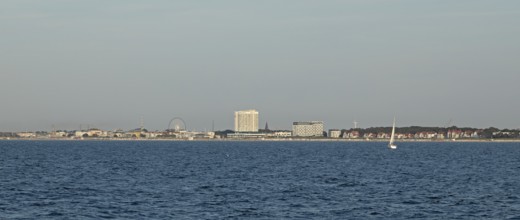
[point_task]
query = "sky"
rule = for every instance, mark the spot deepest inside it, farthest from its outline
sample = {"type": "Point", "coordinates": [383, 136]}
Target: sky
{"type": "Point", "coordinates": [107, 64]}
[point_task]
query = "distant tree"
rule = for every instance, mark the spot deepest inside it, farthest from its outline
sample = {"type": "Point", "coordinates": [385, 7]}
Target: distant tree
{"type": "Point", "coordinates": [488, 132]}
{"type": "Point", "coordinates": [224, 133]}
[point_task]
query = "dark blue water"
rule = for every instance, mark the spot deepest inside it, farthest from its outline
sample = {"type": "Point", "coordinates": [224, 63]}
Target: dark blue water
{"type": "Point", "coordinates": [258, 180]}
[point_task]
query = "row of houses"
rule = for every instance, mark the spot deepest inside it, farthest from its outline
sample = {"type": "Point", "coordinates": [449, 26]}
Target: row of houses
{"type": "Point", "coordinates": [451, 134]}
{"type": "Point", "coordinates": [132, 134]}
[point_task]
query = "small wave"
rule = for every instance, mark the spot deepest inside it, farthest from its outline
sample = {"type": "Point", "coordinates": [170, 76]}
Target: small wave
{"type": "Point", "coordinates": [40, 204]}
{"type": "Point", "coordinates": [296, 205]}
{"type": "Point", "coordinates": [348, 184]}
{"type": "Point", "coordinates": [55, 214]}
{"type": "Point", "coordinates": [341, 212]}
{"type": "Point", "coordinates": [331, 180]}
{"type": "Point", "coordinates": [411, 202]}
{"type": "Point", "coordinates": [375, 213]}
{"type": "Point", "coordinates": [204, 187]}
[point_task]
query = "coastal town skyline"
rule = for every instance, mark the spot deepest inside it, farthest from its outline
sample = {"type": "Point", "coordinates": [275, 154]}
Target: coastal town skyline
{"type": "Point", "coordinates": [109, 63]}
{"type": "Point", "coordinates": [255, 126]}
{"type": "Point", "coordinates": [229, 124]}
{"type": "Point", "coordinates": [246, 126]}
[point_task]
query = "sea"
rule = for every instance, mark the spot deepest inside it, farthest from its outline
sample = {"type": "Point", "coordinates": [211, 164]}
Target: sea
{"type": "Point", "coordinates": [258, 180]}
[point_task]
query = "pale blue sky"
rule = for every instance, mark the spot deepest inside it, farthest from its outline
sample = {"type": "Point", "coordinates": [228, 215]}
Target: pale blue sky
{"type": "Point", "coordinates": [107, 63]}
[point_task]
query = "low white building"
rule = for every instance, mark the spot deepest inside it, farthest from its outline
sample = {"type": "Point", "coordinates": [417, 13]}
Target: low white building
{"type": "Point", "coordinates": [80, 134]}
{"type": "Point", "coordinates": [59, 134]}
{"type": "Point", "coordinates": [307, 129]}
{"type": "Point", "coordinates": [26, 134]}
{"type": "Point", "coordinates": [334, 133]}
{"type": "Point", "coordinates": [245, 135]}
{"type": "Point", "coordinates": [280, 134]}
{"type": "Point", "coordinates": [94, 132]}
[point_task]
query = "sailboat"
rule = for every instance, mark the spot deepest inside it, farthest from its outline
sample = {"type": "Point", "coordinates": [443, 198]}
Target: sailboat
{"type": "Point", "coordinates": [391, 144]}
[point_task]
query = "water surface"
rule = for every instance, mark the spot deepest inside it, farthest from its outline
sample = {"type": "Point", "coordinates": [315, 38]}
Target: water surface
{"type": "Point", "coordinates": [258, 180]}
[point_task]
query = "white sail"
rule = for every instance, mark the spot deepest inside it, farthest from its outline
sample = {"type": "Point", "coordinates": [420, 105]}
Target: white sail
{"type": "Point", "coordinates": [391, 144]}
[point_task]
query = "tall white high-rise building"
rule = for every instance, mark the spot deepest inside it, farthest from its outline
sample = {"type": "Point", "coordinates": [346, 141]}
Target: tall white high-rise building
{"type": "Point", "coordinates": [246, 121]}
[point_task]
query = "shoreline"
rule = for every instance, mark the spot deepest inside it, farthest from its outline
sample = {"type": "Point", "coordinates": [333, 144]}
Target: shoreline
{"type": "Point", "coordinates": [272, 140]}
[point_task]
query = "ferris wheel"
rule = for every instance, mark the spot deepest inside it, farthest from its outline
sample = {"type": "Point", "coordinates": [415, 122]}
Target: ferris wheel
{"type": "Point", "coordinates": [177, 124]}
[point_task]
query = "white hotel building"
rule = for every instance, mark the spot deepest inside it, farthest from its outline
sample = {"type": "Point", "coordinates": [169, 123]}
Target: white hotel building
{"type": "Point", "coordinates": [246, 121]}
{"type": "Point", "coordinates": [308, 129]}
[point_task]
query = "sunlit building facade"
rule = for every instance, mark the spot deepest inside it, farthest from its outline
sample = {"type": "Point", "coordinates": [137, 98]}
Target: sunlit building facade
{"type": "Point", "coordinates": [308, 129]}
{"type": "Point", "coordinates": [246, 121]}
